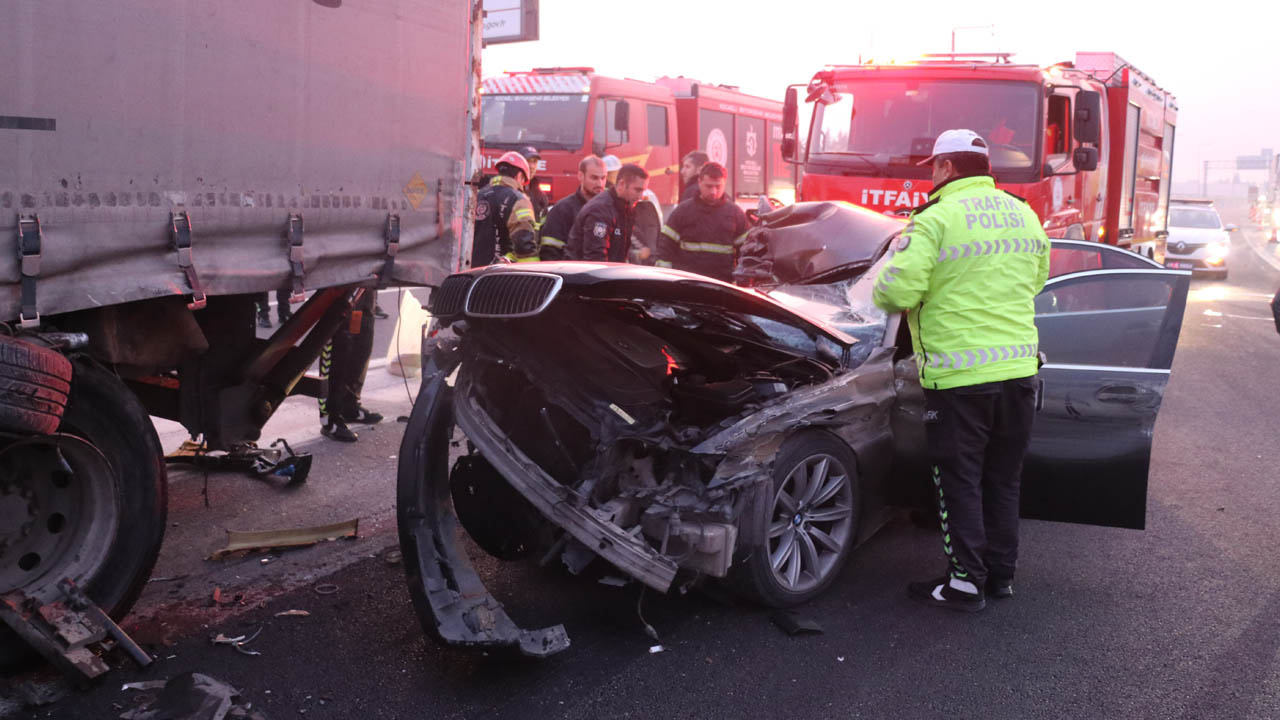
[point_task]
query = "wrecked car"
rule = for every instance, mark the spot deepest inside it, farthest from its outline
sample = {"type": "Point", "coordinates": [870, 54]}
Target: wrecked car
{"type": "Point", "coordinates": [681, 428]}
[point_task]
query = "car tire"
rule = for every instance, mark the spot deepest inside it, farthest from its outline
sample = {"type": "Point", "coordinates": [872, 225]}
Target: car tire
{"type": "Point", "coordinates": [794, 556]}
{"type": "Point", "coordinates": [33, 387]}
{"type": "Point", "coordinates": [114, 499]}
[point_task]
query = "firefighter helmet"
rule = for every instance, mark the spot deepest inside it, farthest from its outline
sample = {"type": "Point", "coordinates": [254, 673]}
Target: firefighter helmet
{"type": "Point", "coordinates": [515, 160]}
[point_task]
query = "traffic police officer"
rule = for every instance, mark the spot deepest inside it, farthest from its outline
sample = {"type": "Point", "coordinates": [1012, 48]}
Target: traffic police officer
{"type": "Point", "coordinates": [553, 236]}
{"type": "Point", "coordinates": [967, 268]}
{"type": "Point", "coordinates": [702, 233]}
{"type": "Point", "coordinates": [602, 231]}
{"type": "Point", "coordinates": [504, 216]}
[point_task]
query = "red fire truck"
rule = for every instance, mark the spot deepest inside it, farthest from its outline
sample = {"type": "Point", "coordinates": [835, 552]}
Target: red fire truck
{"type": "Point", "coordinates": [567, 113]}
{"type": "Point", "coordinates": [1088, 143]}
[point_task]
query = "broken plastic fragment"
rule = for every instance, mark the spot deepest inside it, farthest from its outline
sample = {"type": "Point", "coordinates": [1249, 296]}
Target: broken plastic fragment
{"type": "Point", "coordinates": [294, 537]}
{"type": "Point", "coordinates": [655, 649]}
{"type": "Point", "coordinates": [293, 613]}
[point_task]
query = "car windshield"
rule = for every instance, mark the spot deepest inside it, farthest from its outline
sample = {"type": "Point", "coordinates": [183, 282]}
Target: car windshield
{"type": "Point", "coordinates": [894, 122]}
{"type": "Point", "coordinates": [544, 121]}
{"type": "Point", "coordinates": [1194, 218]}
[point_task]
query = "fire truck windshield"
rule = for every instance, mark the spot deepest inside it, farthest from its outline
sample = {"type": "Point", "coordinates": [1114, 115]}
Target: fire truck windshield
{"type": "Point", "coordinates": [890, 125]}
{"type": "Point", "coordinates": [545, 121]}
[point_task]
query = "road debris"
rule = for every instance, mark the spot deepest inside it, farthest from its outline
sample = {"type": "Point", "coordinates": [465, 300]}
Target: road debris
{"type": "Point", "coordinates": [194, 696]}
{"type": "Point", "coordinates": [393, 556]}
{"type": "Point", "coordinates": [793, 623]}
{"type": "Point", "coordinates": [655, 649]}
{"type": "Point", "coordinates": [289, 538]}
{"type": "Point", "coordinates": [170, 578]}
{"type": "Point", "coordinates": [293, 613]}
{"type": "Point", "coordinates": [238, 643]}
{"type": "Point", "coordinates": [613, 581]}
{"type": "Point", "coordinates": [149, 685]}
{"type": "Point", "coordinates": [326, 589]}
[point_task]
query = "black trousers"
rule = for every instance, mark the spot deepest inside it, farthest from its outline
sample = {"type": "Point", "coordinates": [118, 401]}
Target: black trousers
{"type": "Point", "coordinates": [283, 310]}
{"type": "Point", "coordinates": [345, 359]}
{"type": "Point", "coordinates": [977, 438]}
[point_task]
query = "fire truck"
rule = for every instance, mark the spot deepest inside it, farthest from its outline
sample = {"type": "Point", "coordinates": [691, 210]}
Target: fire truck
{"type": "Point", "coordinates": [569, 112]}
{"type": "Point", "coordinates": [1088, 143]}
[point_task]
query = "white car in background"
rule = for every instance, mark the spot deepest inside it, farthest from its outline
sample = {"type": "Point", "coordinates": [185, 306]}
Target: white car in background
{"type": "Point", "coordinates": [1198, 240]}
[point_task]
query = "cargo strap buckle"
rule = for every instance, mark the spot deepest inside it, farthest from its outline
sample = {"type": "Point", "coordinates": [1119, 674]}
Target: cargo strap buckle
{"type": "Point", "coordinates": [30, 237]}
{"type": "Point", "coordinates": [180, 224]}
{"type": "Point", "coordinates": [393, 246]}
{"type": "Point", "coordinates": [294, 234]}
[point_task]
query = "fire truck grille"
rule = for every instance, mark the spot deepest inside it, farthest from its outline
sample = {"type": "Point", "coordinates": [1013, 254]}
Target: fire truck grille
{"type": "Point", "coordinates": [513, 294]}
{"type": "Point", "coordinates": [450, 297]}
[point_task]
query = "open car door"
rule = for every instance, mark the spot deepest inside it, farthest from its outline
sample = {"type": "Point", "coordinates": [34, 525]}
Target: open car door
{"type": "Point", "coordinates": [1109, 336]}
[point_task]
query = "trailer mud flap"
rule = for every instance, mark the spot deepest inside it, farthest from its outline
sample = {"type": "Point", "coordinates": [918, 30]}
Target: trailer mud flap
{"type": "Point", "coordinates": [451, 601]}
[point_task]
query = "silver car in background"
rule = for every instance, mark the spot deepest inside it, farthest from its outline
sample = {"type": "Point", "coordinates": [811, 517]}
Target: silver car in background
{"type": "Point", "coordinates": [1198, 240]}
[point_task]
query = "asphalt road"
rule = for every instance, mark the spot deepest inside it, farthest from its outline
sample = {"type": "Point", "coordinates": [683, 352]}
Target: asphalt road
{"type": "Point", "coordinates": [1179, 620]}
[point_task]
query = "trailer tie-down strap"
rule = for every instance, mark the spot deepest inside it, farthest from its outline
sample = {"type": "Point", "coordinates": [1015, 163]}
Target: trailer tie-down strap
{"type": "Point", "coordinates": [29, 237]}
{"type": "Point", "coordinates": [295, 256]}
{"type": "Point", "coordinates": [180, 223]}
{"type": "Point", "coordinates": [393, 246]}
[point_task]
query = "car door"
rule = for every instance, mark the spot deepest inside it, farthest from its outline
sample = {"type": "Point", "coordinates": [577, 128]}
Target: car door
{"type": "Point", "coordinates": [1109, 335]}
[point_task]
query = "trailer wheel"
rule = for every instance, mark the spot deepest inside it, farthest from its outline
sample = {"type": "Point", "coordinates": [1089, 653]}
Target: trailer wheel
{"type": "Point", "coordinates": [33, 387]}
{"type": "Point", "coordinates": [87, 503]}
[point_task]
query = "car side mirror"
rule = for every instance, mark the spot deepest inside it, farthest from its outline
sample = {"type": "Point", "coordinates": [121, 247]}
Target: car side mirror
{"type": "Point", "coordinates": [1088, 117]}
{"type": "Point", "coordinates": [622, 116]}
{"type": "Point", "coordinates": [790, 114]}
{"type": "Point", "coordinates": [1085, 158]}
{"type": "Point", "coordinates": [1231, 228]}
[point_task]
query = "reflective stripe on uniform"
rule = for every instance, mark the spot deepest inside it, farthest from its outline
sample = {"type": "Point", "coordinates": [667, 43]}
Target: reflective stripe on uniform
{"type": "Point", "coordinates": [889, 275]}
{"type": "Point", "coordinates": [523, 214]}
{"type": "Point", "coordinates": [737, 242]}
{"type": "Point", "coordinates": [974, 358]}
{"type": "Point", "coordinates": [671, 232]}
{"type": "Point", "coordinates": [549, 241]}
{"type": "Point", "coordinates": [991, 247]}
{"type": "Point", "coordinates": [716, 248]}
{"type": "Point", "coordinates": [664, 264]}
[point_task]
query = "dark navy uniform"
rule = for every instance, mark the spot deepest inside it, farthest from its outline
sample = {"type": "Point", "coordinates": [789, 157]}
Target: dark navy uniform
{"type": "Point", "coordinates": [504, 224]}
{"type": "Point", "coordinates": [553, 237]}
{"type": "Point", "coordinates": [602, 231]}
{"type": "Point", "coordinates": [700, 237]}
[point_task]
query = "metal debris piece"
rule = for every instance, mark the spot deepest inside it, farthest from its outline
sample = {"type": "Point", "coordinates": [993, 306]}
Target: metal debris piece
{"type": "Point", "coordinates": [293, 613]}
{"type": "Point", "coordinates": [170, 578]}
{"type": "Point", "coordinates": [655, 649]}
{"type": "Point", "coordinates": [613, 581]}
{"type": "Point", "coordinates": [193, 696]}
{"type": "Point", "coordinates": [62, 631]}
{"type": "Point", "coordinates": [294, 537]}
{"type": "Point", "coordinates": [238, 643]}
{"type": "Point", "coordinates": [793, 623]}
{"type": "Point", "coordinates": [149, 685]}
{"type": "Point", "coordinates": [326, 589]}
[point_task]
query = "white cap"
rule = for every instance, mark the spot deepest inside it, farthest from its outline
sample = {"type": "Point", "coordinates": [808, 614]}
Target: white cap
{"type": "Point", "coordinates": [612, 163]}
{"type": "Point", "coordinates": [954, 141]}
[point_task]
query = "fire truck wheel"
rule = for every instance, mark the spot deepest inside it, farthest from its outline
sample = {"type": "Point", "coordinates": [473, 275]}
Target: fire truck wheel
{"type": "Point", "coordinates": [87, 503]}
{"type": "Point", "coordinates": [33, 387]}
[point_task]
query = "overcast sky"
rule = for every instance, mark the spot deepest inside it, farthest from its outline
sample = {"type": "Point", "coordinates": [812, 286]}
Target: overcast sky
{"type": "Point", "coordinates": [1221, 61]}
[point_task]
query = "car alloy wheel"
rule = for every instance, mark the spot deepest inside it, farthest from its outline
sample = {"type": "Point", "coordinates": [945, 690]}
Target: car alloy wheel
{"type": "Point", "coordinates": [811, 523]}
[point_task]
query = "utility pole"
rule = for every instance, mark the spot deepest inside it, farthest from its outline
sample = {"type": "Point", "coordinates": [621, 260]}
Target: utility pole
{"type": "Point", "coordinates": [1204, 178]}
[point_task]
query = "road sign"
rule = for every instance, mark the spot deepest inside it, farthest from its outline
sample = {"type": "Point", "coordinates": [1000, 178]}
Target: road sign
{"type": "Point", "coordinates": [1251, 162]}
{"type": "Point", "coordinates": [507, 21]}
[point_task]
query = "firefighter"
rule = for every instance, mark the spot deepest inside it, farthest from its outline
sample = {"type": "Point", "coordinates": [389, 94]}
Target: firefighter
{"type": "Point", "coordinates": [344, 363]}
{"type": "Point", "coordinates": [967, 268]}
{"type": "Point", "coordinates": [537, 198]}
{"type": "Point", "coordinates": [602, 231]}
{"type": "Point", "coordinates": [689, 168]}
{"type": "Point", "coordinates": [283, 310]}
{"type": "Point", "coordinates": [611, 167]}
{"type": "Point", "coordinates": [504, 216]}
{"type": "Point", "coordinates": [553, 236]}
{"type": "Point", "coordinates": [702, 233]}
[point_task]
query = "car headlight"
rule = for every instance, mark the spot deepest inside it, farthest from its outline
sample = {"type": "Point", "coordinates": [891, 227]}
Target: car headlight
{"type": "Point", "coordinates": [1217, 250]}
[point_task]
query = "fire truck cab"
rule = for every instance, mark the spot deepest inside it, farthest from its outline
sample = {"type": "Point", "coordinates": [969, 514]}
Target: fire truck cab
{"type": "Point", "coordinates": [568, 113]}
{"type": "Point", "coordinates": [1088, 143]}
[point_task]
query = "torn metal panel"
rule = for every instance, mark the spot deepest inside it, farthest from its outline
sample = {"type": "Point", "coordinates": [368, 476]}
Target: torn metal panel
{"type": "Point", "coordinates": [451, 601]}
{"type": "Point", "coordinates": [293, 537]}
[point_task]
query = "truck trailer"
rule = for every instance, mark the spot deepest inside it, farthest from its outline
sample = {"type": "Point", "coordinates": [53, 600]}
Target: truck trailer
{"type": "Point", "coordinates": [161, 162]}
{"type": "Point", "coordinates": [1088, 143]}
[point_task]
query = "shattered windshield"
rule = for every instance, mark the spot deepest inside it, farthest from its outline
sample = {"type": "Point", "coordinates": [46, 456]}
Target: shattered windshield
{"type": "Point", "coordinates": [894, 122]}
{"type": "Point", "coordinates": [845, 306]}
{"type": "Point", "coordinates": [544, 121]}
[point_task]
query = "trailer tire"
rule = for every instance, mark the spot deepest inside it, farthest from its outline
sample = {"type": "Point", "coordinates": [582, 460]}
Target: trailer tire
{"type": "Point", "coordinates": [34, 382]}
{"type": "Point", "coordinates": [105, 414]}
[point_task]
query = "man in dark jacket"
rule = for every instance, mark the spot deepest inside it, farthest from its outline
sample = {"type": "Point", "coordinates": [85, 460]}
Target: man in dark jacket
{"type": "Point", "coordinates": [690, 166]}
{"type": "Point", "coordinates": [533, 189]}
{"type": "Point", "coordinates": [602, 231]}
{"type": "Point", "coordinates": [702, 234]}
{"type": "Point", "coordinates": [553, 236]}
